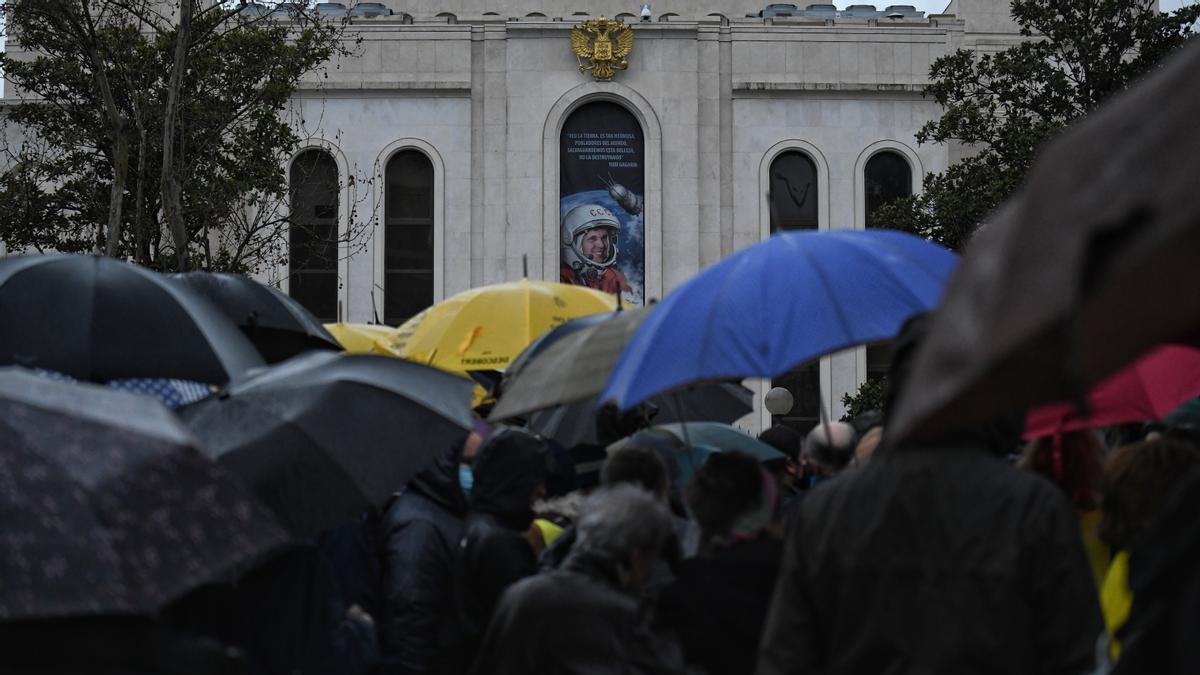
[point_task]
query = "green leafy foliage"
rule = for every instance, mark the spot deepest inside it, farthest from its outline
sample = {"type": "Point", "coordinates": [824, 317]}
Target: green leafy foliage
{"type": "Point", "coordinates": [868, 397]}
{"type": "Point", "coordinates": [1003, 106]}
{"type": "Point", "coordinates": [94, 77]}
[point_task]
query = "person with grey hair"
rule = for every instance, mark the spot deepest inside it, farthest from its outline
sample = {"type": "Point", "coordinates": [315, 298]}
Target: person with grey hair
{"type": "Point", "coordinates": [586, 616]}
{"type": "Point", "coordinates": [830, 447]}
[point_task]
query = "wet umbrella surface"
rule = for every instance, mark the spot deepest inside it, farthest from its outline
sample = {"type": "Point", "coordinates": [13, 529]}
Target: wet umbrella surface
{"type": "Point", "coordinates": [106, 506]}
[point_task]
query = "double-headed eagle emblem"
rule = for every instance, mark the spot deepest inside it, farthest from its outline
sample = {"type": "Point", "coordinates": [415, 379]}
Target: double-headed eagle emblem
{"type": "Point", "coordinates": [605, 44]}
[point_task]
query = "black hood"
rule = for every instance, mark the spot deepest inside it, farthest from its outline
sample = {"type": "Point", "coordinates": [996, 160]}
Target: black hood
{"type": "Point", "coordinates": [439, 481]}
{"type": "Point", "coordinates": [510, 466]}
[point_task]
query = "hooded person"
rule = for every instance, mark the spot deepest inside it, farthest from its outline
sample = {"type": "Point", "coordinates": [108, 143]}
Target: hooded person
{"type": "Point", "coordinates": [588, 616]}
{"type": "Point", "coordinates": [497, 548]}
{"type": "Point", "coordinates": [937, 557]}
{"type": "Point", "coordinates": [589, 249]}
{"type": "Point", "coordinates": [717, 604]}
{"type": "Point", "coordinates": [421, 529]}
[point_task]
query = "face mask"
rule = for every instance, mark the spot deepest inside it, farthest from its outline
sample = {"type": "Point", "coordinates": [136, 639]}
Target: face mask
{"type": "Point", "coordinates": [466, 479]}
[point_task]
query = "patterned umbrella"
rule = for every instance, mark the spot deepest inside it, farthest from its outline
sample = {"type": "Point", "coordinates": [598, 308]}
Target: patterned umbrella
{"type": "Point", "coordinates": [106, 507]}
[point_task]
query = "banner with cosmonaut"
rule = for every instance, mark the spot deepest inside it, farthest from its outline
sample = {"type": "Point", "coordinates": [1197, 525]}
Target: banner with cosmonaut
{"type": "Point", "coordinates": [602, 197]}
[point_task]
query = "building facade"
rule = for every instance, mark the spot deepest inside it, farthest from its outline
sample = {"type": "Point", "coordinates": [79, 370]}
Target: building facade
{"type": "Point", "coordinates": [445, 148]}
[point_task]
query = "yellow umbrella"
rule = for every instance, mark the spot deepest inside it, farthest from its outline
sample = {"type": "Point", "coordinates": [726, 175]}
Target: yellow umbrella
{"type": "Point", "coordinates": [367, 338]}
{"type": "Point", "coordinates": [485, 328]}
{"type": "Point", "coordinates": [364, 338]}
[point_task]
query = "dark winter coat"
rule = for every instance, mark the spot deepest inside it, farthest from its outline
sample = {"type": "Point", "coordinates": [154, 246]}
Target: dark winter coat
{"type": "Point", "coordinates": [934, 561]}
{"type": "Point", "coordinates": [1160, 635]}
{"type": "Point", "coordinates": [421, 530]}
{"type": "Point", "coordinates": [573, 621]}
{"type": "Point", "coordinates": [288, 616]}
{"type": "Point", "coordinates": [493, 555]}
{"type": "Point", "coordinates": [718, 604]}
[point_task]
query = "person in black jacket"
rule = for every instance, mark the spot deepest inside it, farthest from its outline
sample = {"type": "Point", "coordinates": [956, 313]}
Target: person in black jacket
{"type": "Point", "coordinates": [718, 602]}
{"type": "Point", "coordinates": [587, 617]}
{"type": "Point", "coordinates": [498, 545]}
{"type": "Point", "coordinates": [937, 558]}
{"type": "Point", "coordinates": [421, 530]}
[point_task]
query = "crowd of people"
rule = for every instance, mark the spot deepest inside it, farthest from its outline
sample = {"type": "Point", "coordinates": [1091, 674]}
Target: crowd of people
{"type": "Point", "coordinates": [974, 553]}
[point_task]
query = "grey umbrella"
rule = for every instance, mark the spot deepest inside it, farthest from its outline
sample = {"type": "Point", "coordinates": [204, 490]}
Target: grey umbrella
{"type": "Point", "coordinates": [101, 319]}
{"type": "Point", "coordinates": [1090, 264]}
{"type": "Point", "coordinates": [557, 384]}
{"type": "Point", "coordinates": [107, 507]}
{"type": "Point", "coordinates": [324, 436]}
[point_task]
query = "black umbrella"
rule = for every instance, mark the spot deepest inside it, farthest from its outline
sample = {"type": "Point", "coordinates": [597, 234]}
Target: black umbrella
{"type": "Point", "coordinates": [324, 436]}
{"type": "Point", "coordinates": [575, 423]}
{"type": "Point", "coordinates": [106, 506]}
{"type": "Point", "coordinates": [100, 319]}
{"type": "Point", "coordinates": [279, 327]}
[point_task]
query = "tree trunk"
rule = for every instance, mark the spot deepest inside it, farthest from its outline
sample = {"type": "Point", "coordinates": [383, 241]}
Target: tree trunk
{"type": "Point", "coordinates": [139, 202]}
{"type": "Point", "coordinates": [172, 199]}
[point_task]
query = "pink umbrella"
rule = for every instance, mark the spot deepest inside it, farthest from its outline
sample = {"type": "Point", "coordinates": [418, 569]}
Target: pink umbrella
{"type": "Point", "coordinates": [1148, 389]}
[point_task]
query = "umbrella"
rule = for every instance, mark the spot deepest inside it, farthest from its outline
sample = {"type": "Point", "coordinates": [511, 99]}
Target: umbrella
{"type": "Point", "coordinates": [486, 328]}
{"type": "Point", "coordinates": [1089, 265]}
{"type": "Point", "coordinates": [100, 319]}
{"type": "Point", "coordinates": [323, 436]}
{"type": "Point", "coordinates": [575, 423]}
{"type": "Point", "coordinates": [559, 377]}
{"type": "Point", "coordinates": [107, 507]}
{"type": "Point", "coordinates": [1147, 389]}
{"type": "Point", "coordinates": [278, 326]}
{"type": "Point", "coordinates": [363, 338]}
{"type": "Point", "coordinates": [568, 364]}
{"type": "Point", "coordinates": [694, 444]}
{"type": "Point", "coordinates": [779, 303]}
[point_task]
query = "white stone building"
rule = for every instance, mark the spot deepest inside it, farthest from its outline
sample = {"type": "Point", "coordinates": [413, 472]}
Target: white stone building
{"type": "Point", "coordinates": [465, 101]}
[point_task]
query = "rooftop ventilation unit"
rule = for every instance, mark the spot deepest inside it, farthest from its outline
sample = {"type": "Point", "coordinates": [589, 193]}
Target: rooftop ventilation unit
{"type": "Point", "coordinates": [822, 10]}
{"type": "Point", "coordinates": [331, 9]}
{"type": "Point", "coordinates": [861, 11]}
{"type": "Point", "coordinates": [254, 10]}
{"type": "Point", "coordinates": [779, 9]}
{"type": "Point", "coordinates": [902, 12]}
{"type": "Point", "coordinates": [369, 10]}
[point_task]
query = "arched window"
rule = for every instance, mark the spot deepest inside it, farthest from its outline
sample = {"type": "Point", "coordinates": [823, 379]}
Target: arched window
{"type": "Point", "coordinates": [793, 192]}
{"type": "Point", "coordinates": [886, 177]}
{"type": "Point", "coordinates": [313, 234]}
{"type": "Point", "coordinates": [408, 236]}
{"type": "Point", "coordinates": [793, 195]}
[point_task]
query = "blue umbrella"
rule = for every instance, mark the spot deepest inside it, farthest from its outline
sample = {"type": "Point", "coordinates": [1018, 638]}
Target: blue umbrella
{"type": "Point", "coordinates": [780, 303]}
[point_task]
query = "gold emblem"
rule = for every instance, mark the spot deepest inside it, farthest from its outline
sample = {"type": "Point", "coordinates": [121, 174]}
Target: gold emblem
{"type": "Point", "coordinates": [605, 44]}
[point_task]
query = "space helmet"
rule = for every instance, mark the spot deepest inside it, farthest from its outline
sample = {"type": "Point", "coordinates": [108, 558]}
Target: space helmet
{"type": "Point", "coordinates": [575, 224]}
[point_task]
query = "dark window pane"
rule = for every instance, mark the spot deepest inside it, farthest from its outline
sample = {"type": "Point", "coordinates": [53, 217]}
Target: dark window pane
{"type": "Point", "coordinates": [409, 247]}
{"type": "Point", "coordinates": [887, 177]}
{"type": "Point", "coordinates": [317, 291]}
{"type": "Point", "coordinates": [793, 185]}
{"type": "Point", "coordinates": [407, 294]}
{"type": "Point", "coordinates": [408, 236]}
{"type": "Point", "coordinates": [805, 384]}
{"type": "Point", "coordinates": [313, 235]}
{"type": "Point", "coordinates": [879, 356]}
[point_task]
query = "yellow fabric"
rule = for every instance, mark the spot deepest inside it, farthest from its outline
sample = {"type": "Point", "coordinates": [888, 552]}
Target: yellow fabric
{"type": "Point", "coordinates": [1097, 553]}
{"type": "Point", "coordinates": [1116, 600]}
{"type": "Point", "coordinates": [485, 328]}
{"type": "Point", "coordinates": [364, 338]}
{"type": "Point", "coordinates": [549, 530]}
